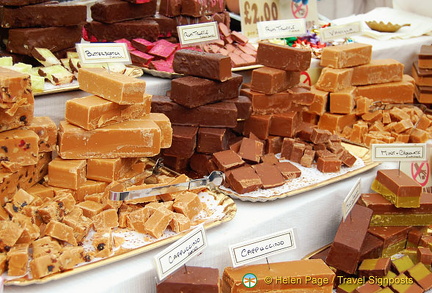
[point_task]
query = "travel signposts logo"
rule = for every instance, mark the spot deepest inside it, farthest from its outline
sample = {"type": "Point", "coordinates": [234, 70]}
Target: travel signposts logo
{"type": "Point", "coordinates": [249, 280]}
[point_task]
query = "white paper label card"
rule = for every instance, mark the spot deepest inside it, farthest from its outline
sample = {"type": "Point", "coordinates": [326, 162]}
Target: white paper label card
{"type": "Point", "coordinates": [281, 28]}
{"type": "Point", "coordinates": [103, 53]}
{"type": "Point", "coordinates": [399, 152]}
{"type": "Point", "coordinates": [340, 31]}
{"type": "Point", "coordinates": [181, 251]}
{"type": "Point", "coordinates": [351, 199]}
{"type": "Point", "coordinates": [198, 33]}
{"type": "Point", "coordinates": [258, 248]}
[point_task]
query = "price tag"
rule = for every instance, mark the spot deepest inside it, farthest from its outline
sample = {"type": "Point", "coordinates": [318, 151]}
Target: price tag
{"type": "Point", "coordinates": [181, 251]}
{"type": "Point", "coordinates": [103, 53]}
{"type": "Point", "coordinates": [351, 199]}
{"type": "Point", "coordinates": [281, 28]}
{"type": "Point", "coordinates": [254, 11]}
{"type": "Point", "coordinates": [399, 152]}
{"type": "Point", "coordinates": [340, 31]}
{"type": "Point", "coordinates": [198, 33]}
{"type": "Point", "coordinates": [258, 248]}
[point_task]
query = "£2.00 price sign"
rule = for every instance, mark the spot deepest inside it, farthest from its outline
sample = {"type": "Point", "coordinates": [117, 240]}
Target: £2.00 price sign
{"type": "Point", "coordinates": [253, 11]}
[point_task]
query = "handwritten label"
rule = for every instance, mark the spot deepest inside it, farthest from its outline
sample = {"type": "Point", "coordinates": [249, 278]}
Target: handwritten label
{"type": "Point", "coordinates": [254, 11]}
{"type": "Point", "coordinates": [340, 31]}
{"type": "Point", "coordinates": [399, 152]}
{"type": "Point", "coordinates": [103, 53]}
{"type": "Point", "coordinates": [258, 248]}
{"type": "Point", "coordinates": [198, 33]}
{"type": "Point", "coordinates": [281, 28]}
{"type": "Point", "coordinates": [181, 251]}
{"type": "Point", "coordinates": [351, 199]}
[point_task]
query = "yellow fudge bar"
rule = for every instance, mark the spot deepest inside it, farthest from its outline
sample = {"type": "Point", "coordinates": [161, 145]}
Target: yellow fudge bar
{"type": "Point", "coordinates": [343, 102]}
{"type": "Point", "coordinates": [378, 71]}
{"type": "Point", "coordinates": [66, 173]}
{"type": "Point", "coordinates": [348, 55]}
{"type": "Point", "coordinates": [311, 275]}
{"type": "Point", "coordinates": [60, 231]}
{"type": "Point", "coordinates": [108, 170]}
{"type": "Point", "coordinates": [165, 125]}
{"type": "Point", "coordinates": [135, 138]}
{"type": "Point", "coordinates": [18, 258]}
{"type": "Point", "coordinates": [333, 79]}
{"type": "Point", "coordinates": [19, 146]}
{"type": "Point", "coordinates": [115, 87]}
{"type": "Point", "coordinates": [92, 112]}
{"type": "Point", "coordinates": [19, 115]}
{"type": "Point", "coordinates": [391, 92]}
{"type": "Point", "coordinates": [46, 129]}
{"type": "Point", "coordinates": [16, 87]}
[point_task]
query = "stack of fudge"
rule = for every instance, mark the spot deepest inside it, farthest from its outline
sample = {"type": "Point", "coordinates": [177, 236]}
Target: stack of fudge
{"type": "Point", "coordinates": [422, 73]}
{"type": "Point", "coordinates": [28, 24]}
{"type": "Point", "coordinates": [385, 242]}
{"type": "Point", "coordinates": [351, 82]}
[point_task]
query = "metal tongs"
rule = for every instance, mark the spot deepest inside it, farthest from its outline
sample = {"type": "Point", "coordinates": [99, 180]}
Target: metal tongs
{"type": "Point", "coordinates": [211, 181]}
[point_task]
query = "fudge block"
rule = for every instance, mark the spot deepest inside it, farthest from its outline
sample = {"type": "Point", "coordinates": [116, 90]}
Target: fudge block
{"type": "Point", "coordinates": [60, 231]}
{"type": "Point", "coordinates": [329, 164]}
{"type": "Point", "coordinates": [319, 104]}
{"type": "Point", "coordinates": [24, 40]}
{"type": "Point", "coordinates": [16, 88]}
{"type": "Point", "coordinates": [377, 71]}
{"type": "Point", "coordinates": [158, 222]}
{"type": "Point", "coordinates": [163, 49]}
{"type": "Point", "coordinates": [107, 219]}
{"type": "Point", "coordinates": [243, 105]}
{"type": "Point", "coordinates": [374, 267]}
{"type": "Point", "coordinates": [140, 58]}
{"type": "Point", "coordinates": [184, 141]}
{"type": "Point", "coordinates": [263, 104]}
{"type": "Point", "coordinates": [251, 150]}
{"type": "Point", "coordinates": [269, 174]}
{"type": "Point", "coordinates": [102, 241]}
{"type": "Point", "coordinates": [270, 80]}
{"type": "Point", "coordinates": [44, 265]}
{"type": "Point", "coordinates": [70, 256]}
{"type": "Point", "coordinates": [115, 87]}
{"type": "Point", "coordinates": [422, 76]}
{"type": "Point", "coordinates": [164, 124]}
{"type": "Point", "coordinates": [188, 204]}
{"type": "Point", "coordinates": [288, 170]}
{"type": "Point", "coordinates": [398, 188]}
{"type": "Point", "coordinates": [345, 250]}
{"type": "Point", "coordinates": [46, 129]}
{"type": "Point", "coordinates": [134, 138]}
{"type": "Point", "coordinates": [192, 279]}
{"type": "Point", "coordinates": [284, 124]}
{"type": "Point", "coordinates": [21, 2]}
{"type": "Point", "coordinates": [67, 173]}
{"type": "Point", "coordinates": [22, 116]}
{"type": "Point", "coordinates": [19, 146]}
{"type": "Point", "coordinates": [391, 92]}
{"type": "Point", "coordinates": [10, 232]}
{"type": "Point", "coordinates": [110, 11]}
{"type": "Point", "coordinates": [336, 122]}
{"type": "Point", "coordinates": [301, 95]}
{"type": "Point", "coordinates": [259, 125]}
{"type": "Point", "coordinates": [333, 79]}
{"type": "Point", "coordinates": [243, 179]}
{"type": "Point", "coordinates": [18, 258]}
{"type": "Point", "coordinates": [212, 140]}
{"type": "Point", "coordinates": [130, 29]}
{"type": "Point", "coordinates": [423, 94]}
{"type": "Point", "coordinates": [93, 111]}
{"type": "Point", "coordinates": [170, 8]}
{"type": "Point", "coordinates": [191, 92]}
{"type": "Point", "coordinates": [108, 170]}
{"type": "Point", "coordinates": [202, 64]}
{"type": "Point", "coordinates": [43, 15]}
{"type": "Point", "coordinates": [425, 57]}
{"type": "Point", "coordinates": [221, 114]}
{"type": "Point", "coordinates": [422, 275]}
{"type": "Point", "coordinates": [228, 159]}
{"type": "Point", "coordinates": [343, 101]}
{"type": "Point", "coordinates": [347, 55]}
{"type": "Point", "coordinates": [283, 57]}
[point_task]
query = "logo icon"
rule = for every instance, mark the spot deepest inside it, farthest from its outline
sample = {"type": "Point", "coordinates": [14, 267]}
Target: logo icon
{"type": "Point", "coordinates": [249, 280]}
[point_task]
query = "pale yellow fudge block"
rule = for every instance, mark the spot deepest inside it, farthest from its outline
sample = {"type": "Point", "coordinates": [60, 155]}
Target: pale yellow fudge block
{"type": "Point", "coordinates": [89, 187]}
{"type": "Point", "coordinates": [378, 71]}
{"type": "Point", "coordinates": [71, 256]}
{"type": "Point", "coordinates": [333, 79]}
{"type": "Point", "coordinates": [115, 87]}
{"type": "Point", "coordinates": [158, 222]}
{"type": "Point", "coordinates": [135, 138]}
{"type": "Point", "coordinates": [391, 92]}
{"type": "Point", "coordinates": [46, 129]}
{"type": "Point", "coordinates": [17, 116]}
{"type": "Point", "coordinates": [343, 102]}
{"type": "Point", "coordinates": [108, 170]}
{"type": "Point", "coordinates": [166, 130]}
{"type": "Point", "coordinates": [103, 243]}
{"type": "Point", "coordinates": [60, 231]}
{"type": "Point", "coordinates": [92, 112]}
{"type": "Point", "coordinates": [18, 258]}
{"type": "Point", "coordinates": [44, 265]}
{"type": "Point", "coordinates": [19, 146]}
{"type": "Point", "coordinates": [105, 219]}
{"type": "Point", "coordinates": [347, 55]}
{"type": "Point", "coordinates": [188, 204]}
{"type": "Point", "coordinates": [66, 173]}
{"type": "Point", "coordinates": [16, 87]}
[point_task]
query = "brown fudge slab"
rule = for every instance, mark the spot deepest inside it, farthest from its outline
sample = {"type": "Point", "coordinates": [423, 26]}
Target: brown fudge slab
{"type": "Point", "coordinates": [347, 55]}
{"type": "Point", "coordinates": [251, 150]}
{"type": "Point", "coordinates": [422, 76]}
{"type": "Point", "coordinates": [244, 179]}
{"type": "Point", "coordinates": [202, 64]}
{"type": "Point", "coordinates": [43, 15]}
{"type": "Point", "coordinates": [288, 170]}
{"type": "Point", "coordinates": [377, 71]}
{"type": "Point", "coordinates": [372, 247]}
{"type": "Point", "coordinates": [131, 29]}
{"type": "Point", "coordinates": [20, 2]}
{"type": "Point", "coordinates": [284, 124]}
{"type": "Point", "coordinates": [191, 92]}
{"type": "Point", "coordinates": [399, 183]}
{"type": "Point", "coordinates": [425, 57]}
{"type": "Point", "coordinates": [329, 164]}
{"type": "Point", "coordinates": [23, 40]}
{"type": "Point", "coordinates": [244, 106]}
{"type": "Point", "coordinates": [390, 234]}
{"type": "Point", "coordinates": [110, 11]}
{"type": "Point", "coordinates": [170, 7]}
{"type": "Point", "coordinates": [183, 142]}
{"type": "Point", "coordinates": [211, 140]}
{"type": "Point", "coordinates": [221, 114]}
{"type": "Point", "coordinates": [283, 57]}
{"type": "Point", "coordinates": [263, 104]}
{"type": "Point", "coordinates": [345, 250]}
{"type": "Point", "coordinates": [301, 95]}
{"type": "Point", "coordinates": [228, 159]}
{"type": "Point", "coordinates": [259, 125]}
{"type": "Point", "coordinates": [191, 279]}
{"type": "Point", "coordinates": [380, 205]}
{"type": "Point", "coordinates": [270, 80]}
{"type": "Point", "coordinates": [269, 174]}
{"type": "Point", "coordinates": [424, 94]}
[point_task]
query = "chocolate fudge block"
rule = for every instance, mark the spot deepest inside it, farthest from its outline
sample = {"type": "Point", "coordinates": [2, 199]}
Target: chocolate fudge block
{"type": "Point", "coordinates": [425, 57]}
{"type": "Point", "coordinates": [345, 250]}
{"type": "Point", "coordinates": [211, 140]}
{"type": "Point", "coordinates": [283, 57]}
{"type": "Point", "coordinates": [259, 125]}
{"type": "Point", "coordinates": [378, 267]}
{"type": "Point", "coordinates": [422, 76]}
{"type": "Point", "coordinates": [244, 107]}
{"type": "Point", "coordinates": [422, 275]}
{"type": "Point", "coordinates": [23, 40]}
{"type": "Point", "coordinates": [191, 279]}
{"type": "Point", "coordinates": [251, 150]}
{"type": "Point", "coordinates": [226, 160]}
{"type": "Point", "coordinates": [243, 179]}
{"type": "Point", "coordinates": [263, 104]}
{"type": "Point", "coordinates": [170, 8]}
{"type": "Point", "coordinates": [191, 92]}
{"type": "Point", "coordinates": [284, 124]}
{"type": "Point", "coordinates": [269, 174]}
{"type": "Point", "coordinates": [131, 29]}
{"type": "Point", "coordinates": [184, 141]}
{"type": "Point", "coordinates": [202, 64]}
{"type": "Point", "coordinates": [20, 2]}
{"type": "Point", "coordinates": [288, 170]}
{"type": "Point", "coordinates": [167, 25]}
{"type": "Point", "coordinates": [201, 8]}
{"type": "Point", "coordinates": [43, 15]}
{"type": "Point", "coordinates": [221, 114]}
{"type": "Point", "coordinates": [270, 80]}
{"type": "Point", "coordinates": [110, 11]}
{"type": "Point", "coordinates": [372, 247]}
{"type": "Point", "coordinates": [301, 95]}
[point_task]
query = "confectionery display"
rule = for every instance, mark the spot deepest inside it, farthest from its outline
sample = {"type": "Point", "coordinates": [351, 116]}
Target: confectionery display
{"type": "Point", "coordinates": [125, 171]}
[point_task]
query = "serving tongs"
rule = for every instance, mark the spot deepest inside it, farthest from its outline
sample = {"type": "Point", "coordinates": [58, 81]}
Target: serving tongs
{"type": "Point", "coordinates": [119, 192]}
{"type": "Point", "coordinates": [378, 105]}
